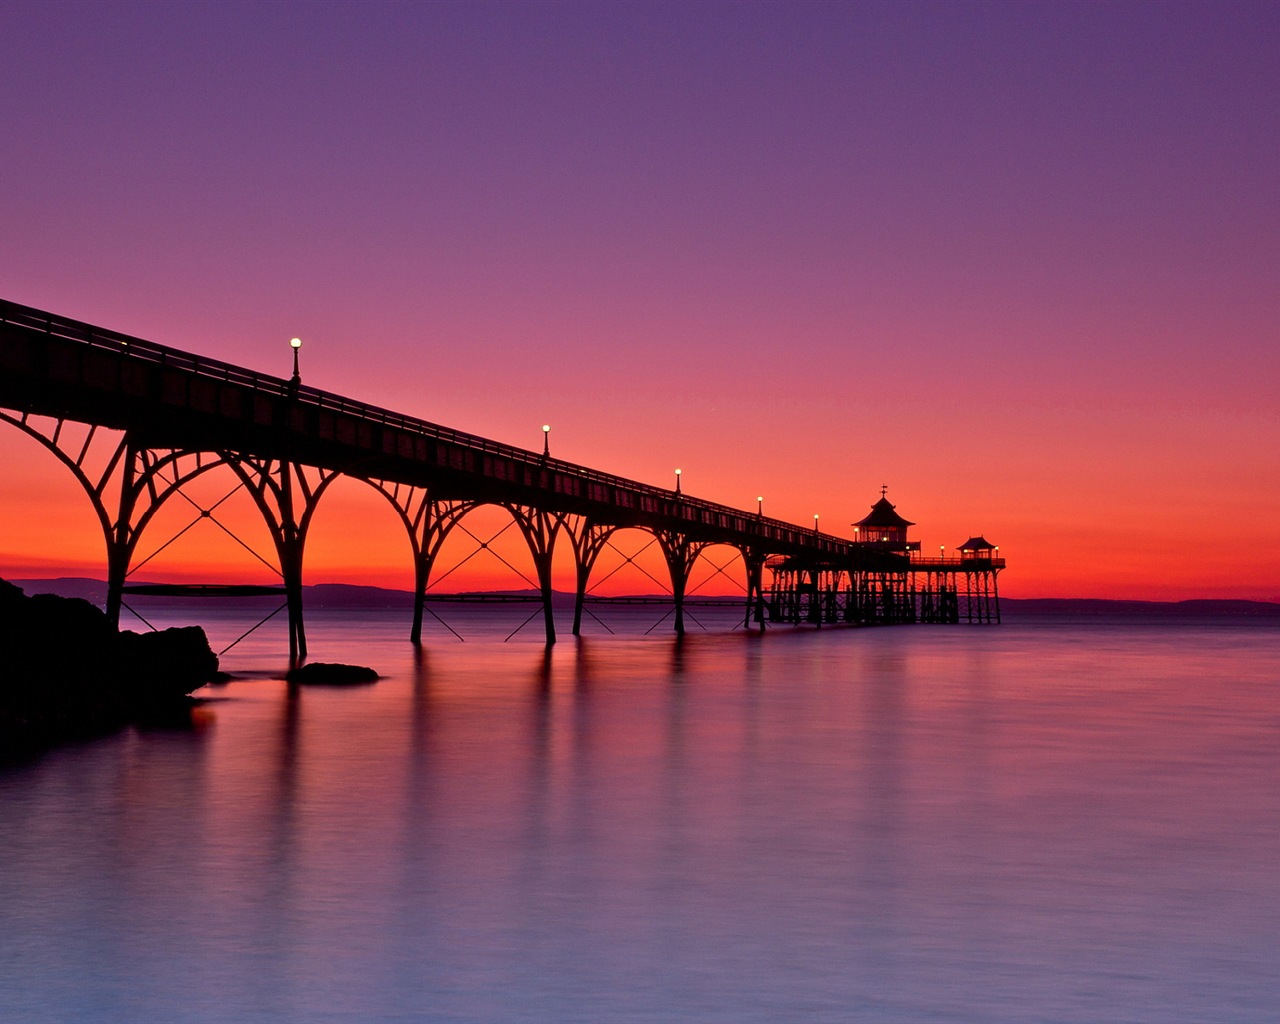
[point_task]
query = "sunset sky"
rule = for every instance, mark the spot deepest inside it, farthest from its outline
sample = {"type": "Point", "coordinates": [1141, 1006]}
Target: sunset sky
{"type": "Point", "coordinates": [1019, 262]}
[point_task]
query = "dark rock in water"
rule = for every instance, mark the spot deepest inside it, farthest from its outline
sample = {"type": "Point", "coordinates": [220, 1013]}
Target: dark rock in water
{"type": "Point", "coordinates": [66, 674]}
{"type": "Point", "coordinates": [332, 674]}
{"type": "Point", "coordinates": [163, 666]}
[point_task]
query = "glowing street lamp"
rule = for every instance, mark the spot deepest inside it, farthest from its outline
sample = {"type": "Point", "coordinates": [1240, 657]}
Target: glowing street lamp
{"type": "Point", "coordinates": [760, 505]}
{"type": "Point", "coordinates": [546, 439]}
{"type": "Point", "coordinates": [677, 481]}
{"type": "Point", "coordinates": [295, 344]}
{"type": "Point", "coordinates": [815, 522]}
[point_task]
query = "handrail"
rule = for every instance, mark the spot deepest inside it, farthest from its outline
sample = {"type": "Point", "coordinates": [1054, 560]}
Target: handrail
{"type": "Point", "coordinates": [954, 561]}
{"type": "Point", "coordinates": [67, 329]}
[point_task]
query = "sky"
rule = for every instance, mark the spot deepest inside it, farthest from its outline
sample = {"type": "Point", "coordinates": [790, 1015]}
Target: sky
{"type": "Point", "coordinates": [1018, 262]}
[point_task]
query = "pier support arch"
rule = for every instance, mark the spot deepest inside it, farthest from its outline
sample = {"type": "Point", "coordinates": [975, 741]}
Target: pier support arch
{"type": "Point", "coordinates": [589, 538]}
{"type": "Point", "coordinates": [287, 497]}
{"type": "Point", "coordinates": [680, 553]}
{"type": "Point", "coordinates": [126, 481]}
{"type": "Point", "coordinates": [539, 529]}
{"type": "Point", "coordinates": [428, 522]}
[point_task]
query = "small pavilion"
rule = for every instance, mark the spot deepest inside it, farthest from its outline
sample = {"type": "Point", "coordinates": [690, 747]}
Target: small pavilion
{"type": "Point", "coordinates": [884, 527]}
{"type": "Point", "coordinates": [977, 549]}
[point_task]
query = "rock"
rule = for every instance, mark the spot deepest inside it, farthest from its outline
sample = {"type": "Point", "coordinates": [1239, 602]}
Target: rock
{"type": "Point", "coordinates": [332, 674]}
{"type": "Point", "coordinates": [164, 666]}
{"type": "Point", "coordinates": [66, 674]}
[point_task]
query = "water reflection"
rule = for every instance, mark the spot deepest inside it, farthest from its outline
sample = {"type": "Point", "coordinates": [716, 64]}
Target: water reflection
{"type": "Point", "coordinates": [898, 825]}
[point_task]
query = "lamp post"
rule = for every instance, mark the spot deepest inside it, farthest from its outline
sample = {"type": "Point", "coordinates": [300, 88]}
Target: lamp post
{"type": "Point", "coordinates": [760, 506]}
{"type": "Point", "coordinates": [295, 344]}
{"type": "Point", "coordinates": [677, 481]}
{"type": "Point", "coordinates": [546, 440]}
{"type": "Point", "coordinates": [815, 522]}
{"type": "Point", "coordinates": [942, 552]}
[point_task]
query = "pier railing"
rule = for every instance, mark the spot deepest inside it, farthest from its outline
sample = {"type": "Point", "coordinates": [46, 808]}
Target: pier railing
{"type": "Point", "coordinates": [953, 562]}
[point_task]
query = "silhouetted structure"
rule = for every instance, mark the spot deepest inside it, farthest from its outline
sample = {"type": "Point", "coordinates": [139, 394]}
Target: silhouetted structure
{"type": "Point", "coordinates": [180, 415]}
{"type": "Point", "coordinates": [886, 581]}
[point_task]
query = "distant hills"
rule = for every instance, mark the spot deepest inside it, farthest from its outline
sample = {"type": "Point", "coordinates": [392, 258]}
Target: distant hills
{"type": "Point", "coordinates": [323, 595]}
{"type": "Point", "coordinates": [347, 595]}
{"type": "Point", "coordinates": [66, 586]}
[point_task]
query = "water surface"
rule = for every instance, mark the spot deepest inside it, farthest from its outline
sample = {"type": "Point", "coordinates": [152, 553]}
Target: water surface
{"type": "Point", "coordinates": [1036, 822]}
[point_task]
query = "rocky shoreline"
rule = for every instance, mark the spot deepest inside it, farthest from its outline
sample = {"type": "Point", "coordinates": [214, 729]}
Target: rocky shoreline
{"type": "Point", "coordinates": [66, 674]}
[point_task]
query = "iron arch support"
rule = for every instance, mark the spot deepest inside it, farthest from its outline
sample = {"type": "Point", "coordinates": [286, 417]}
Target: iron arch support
{"type": "Point", "coordinates": [149, 477]}
{"type": "Point", "coordinates": [539, 529]}
{"type": "Point", "coordinates": [680, 553]}
{"type": "Point", "coordinates": [94, 489]}
{"type": "Point", "coordinates": [427, 522]}
{"type": "Point", "coordinates": [142, 477]}
{"type": "Point", "coordinates": [279, 487]}
{"type": "Point", "coordinates": [753, 560]}
{"type": "Point", "coordinates": [588, 539]}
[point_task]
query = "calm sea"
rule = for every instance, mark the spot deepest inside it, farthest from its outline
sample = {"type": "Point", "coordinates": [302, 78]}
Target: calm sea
{"type": "Point", "coordinates": [1044, 821]}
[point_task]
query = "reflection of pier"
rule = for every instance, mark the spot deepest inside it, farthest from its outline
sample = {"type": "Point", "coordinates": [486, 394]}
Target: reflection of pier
{"type": "Point", "coordinates": [136, 422]}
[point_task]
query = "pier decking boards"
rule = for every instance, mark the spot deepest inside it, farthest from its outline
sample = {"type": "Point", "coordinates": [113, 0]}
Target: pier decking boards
{"type": "Point", "coordinates": [165, 416]}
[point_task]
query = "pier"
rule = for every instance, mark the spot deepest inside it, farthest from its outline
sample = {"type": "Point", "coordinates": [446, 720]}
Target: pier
{"type": "Point", "coordinates": [164, 417]}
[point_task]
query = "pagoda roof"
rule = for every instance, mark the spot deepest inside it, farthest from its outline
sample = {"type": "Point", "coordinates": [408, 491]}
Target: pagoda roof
{"type": "Point", "coordinates": [882, 514]}
{"type": "Point", "coordinates": [977, 544]}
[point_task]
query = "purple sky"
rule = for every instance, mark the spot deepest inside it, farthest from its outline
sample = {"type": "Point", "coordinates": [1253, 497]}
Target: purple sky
{"type": "Point", "coordinates": [1019, 261]}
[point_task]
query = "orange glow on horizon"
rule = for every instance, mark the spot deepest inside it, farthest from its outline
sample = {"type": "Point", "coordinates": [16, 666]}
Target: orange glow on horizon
{"type": "Point", "coordinates": [1097, 519]}
{"type": "Point", "coordinates": [49, 531]}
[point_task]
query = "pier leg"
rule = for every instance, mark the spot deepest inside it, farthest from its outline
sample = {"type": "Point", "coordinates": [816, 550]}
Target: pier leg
{"type": "Point", "coordinates": [297, 630]}
{"type": "Point", "coordinates": [119, 544]}
{"type": "Point", "coordinates": [580, 596]}
{"type": "Point", "coordinates": [677, 590]}
{"type": "Point", "coordinates": [291, 542]}
{"type": "Point", "coordinates": [543, 565]}
{"type": "Point", "coordinates": [755, 589]}
{"type": "Point", "coordinates": [421, 573]}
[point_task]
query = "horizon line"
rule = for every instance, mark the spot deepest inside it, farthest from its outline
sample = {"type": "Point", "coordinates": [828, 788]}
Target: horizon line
{"type": "Point", "coordinates": [17, 581]}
